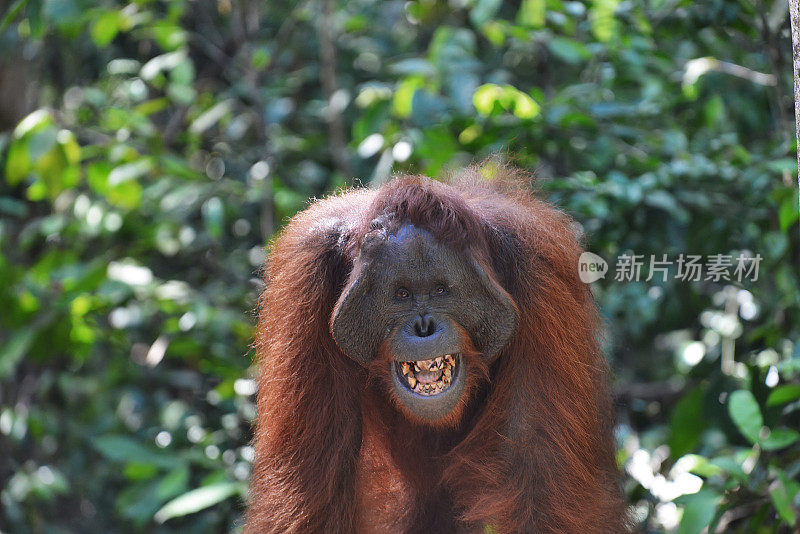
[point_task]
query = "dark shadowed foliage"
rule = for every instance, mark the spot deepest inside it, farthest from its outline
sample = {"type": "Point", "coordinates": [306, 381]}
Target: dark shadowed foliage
{"type": "Point", "coordinates": [149, 150]}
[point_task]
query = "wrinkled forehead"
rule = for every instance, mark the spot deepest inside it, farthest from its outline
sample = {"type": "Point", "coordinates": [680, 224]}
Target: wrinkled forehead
{"type": "Point", "coordinates": [412, 253]}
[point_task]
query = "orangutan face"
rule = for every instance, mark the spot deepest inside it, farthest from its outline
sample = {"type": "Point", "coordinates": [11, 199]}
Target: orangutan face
{"type": "Point", "coordinates": [426, 305]}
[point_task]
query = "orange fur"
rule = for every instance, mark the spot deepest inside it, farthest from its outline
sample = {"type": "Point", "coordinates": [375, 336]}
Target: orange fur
{"type": "Point", "coordinates": [529, 449]}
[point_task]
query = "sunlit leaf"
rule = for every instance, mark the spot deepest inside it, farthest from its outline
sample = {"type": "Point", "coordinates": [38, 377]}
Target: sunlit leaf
{"type": "Point", "coordinates": [38, 119]}
{"type": "Point", "coordinates": [198, 499]}
{"type": "Point", "coordinates": [524, 106]}
{"type": "Point", "coordinates": [604, 24]}
{"type": "Point", "coordinates": [169, 36]}
{"type": "Point", "coordinates": [211, 116]}
{"type": "Point", "coordinates": [69, 145]}
{"type": "Point", "coordinates": [403, 96]}
{"type": "Point", "coordinates": [702, 466]}
{"type": "Point", "coordinates": [106, 27]}
{"type": "Point", "coordinates": [18, 162]}
{"type": "Point", "coordinates": [532, 13]}
{"type": "Point", "coordinates": [161, 63]}
{"type": "Point", "coordinates": [490, 97]}
{"type": "Point", "coordinates": [130, 171]}
{"type": "Point", "coordinates": [485, 98]}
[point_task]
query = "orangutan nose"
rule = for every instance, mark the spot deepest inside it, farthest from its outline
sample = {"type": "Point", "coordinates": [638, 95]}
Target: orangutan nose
{"type": "Point", "coordinates": [424, 326]}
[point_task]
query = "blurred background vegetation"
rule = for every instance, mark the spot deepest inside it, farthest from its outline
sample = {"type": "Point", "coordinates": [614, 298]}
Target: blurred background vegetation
{"type": "Point", "coordinates": [149, 151]}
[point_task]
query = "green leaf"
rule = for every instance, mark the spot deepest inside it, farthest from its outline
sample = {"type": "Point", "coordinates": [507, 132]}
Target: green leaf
{"type": "Point", "coordinates": [743, 409]}
{"type": "Point", "coordinates": [55, 172]}
{"type": "Point", "coordinates": [106, 27]}
{"type": "Point", "coordinates": [41, 143]}
{"type": "Point", "coordinates": [779, 438]}
{"type": "Point", "coordinates": [485, 97]}
{"type": "Point", "coordinates": [152, 106]}
{"type": "Point", "coordinates": [124, 449]}
{"type": "Point", "coordinates": [130, 171]}
{"type": "Point", "coordinates": [18, 162]}
{"type": "Point", "coordinates": [686, 423]}
{"type": "Point", "coordinates": [532, 13]}
{"type": "Point", "coordinates": [181, 94]}
{"type": "Point", "coordinates": [69, 146]}
{"type": "Point", "coordinates": [261, 57]}
{"type": "Point", "coordinates": [787, 212]}
{"type": "Point", "coordinates": [198, 499]}
{"type": "Point", "coordinates": [524, 106]}
{"type": "Point", "coordinates": [173, 483]}
{"type": "Point", "coordinates": [211, 116]}
{"type": "Point", "coordinates": [12, 352]}
{"type": "Point", "coordinates": [404, 95]}
{"type": "Point", "coordinates": [483, 11]}
{"type": "Point", "coordinates": [183, 73]}
{"type": "Point", "coordinates": [164, 62]}
{"type": "Point", "coordinates": [698, 512]}
{"type": "Point", "coordinates": [437, 148]}
{"type": "Point", "coordinates": [213, 212]}
{"type": "Point", "coordinates": [168, 35]}
{"type": "Point", "coordinates": [11, 14]}
{"type": "Point", "coordinates": [784, 394]}
{"type": "Point", "coordinates": [783, 165]}
{"type": "Point", "coordinates": [601, 14]}
{"type": "Point", "coordinates": [731, 466]}
{"type": "Point", "coordinates": [702, 466]}
{"type": "Point", "coordinates": [33, 122]}
{"type": "Point", "coordinates": [489, 97]}
{"type": "Point", "coordinates": [568, 50]}
{"type": "Point", "coordinates": [126, 193]}
{"type": "Point", "coordinates": [783, 493]}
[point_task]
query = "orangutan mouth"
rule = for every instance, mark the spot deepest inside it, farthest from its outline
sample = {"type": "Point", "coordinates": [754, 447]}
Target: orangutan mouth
{"type": "Point", "coordinates": [429, 377]}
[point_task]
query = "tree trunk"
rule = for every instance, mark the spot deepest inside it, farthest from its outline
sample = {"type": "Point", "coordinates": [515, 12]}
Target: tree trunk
{"type": "Point", "coordinates": [794, 13]}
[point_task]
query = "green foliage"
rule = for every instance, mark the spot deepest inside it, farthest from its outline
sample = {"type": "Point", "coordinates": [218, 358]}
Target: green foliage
{"type": "Point", "coordinates": [745, 412]}
{"type": "Point", "coordinates": [168, 141]}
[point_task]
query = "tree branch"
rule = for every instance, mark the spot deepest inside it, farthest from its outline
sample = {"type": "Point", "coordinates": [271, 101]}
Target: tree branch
{"type": "Point", "coordinates": [794, 12]}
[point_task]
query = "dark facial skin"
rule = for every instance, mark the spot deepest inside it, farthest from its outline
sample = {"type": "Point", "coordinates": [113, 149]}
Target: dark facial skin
{"type": "Point", "coordinates": [428, 303]}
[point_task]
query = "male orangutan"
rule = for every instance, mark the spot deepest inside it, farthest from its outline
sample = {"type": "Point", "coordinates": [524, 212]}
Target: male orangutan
{"type": "Point", "coordinates": [430, 363]}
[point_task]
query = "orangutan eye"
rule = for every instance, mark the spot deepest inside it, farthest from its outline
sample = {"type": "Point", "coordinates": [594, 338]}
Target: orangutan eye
{"type": "Point", "coordinates": [402, 293]}
{"type": "Point", "coordinates": [440, 290]}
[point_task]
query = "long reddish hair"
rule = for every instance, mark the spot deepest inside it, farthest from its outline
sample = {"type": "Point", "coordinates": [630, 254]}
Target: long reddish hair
{"type": "Point", "coordinates": [532, 448]}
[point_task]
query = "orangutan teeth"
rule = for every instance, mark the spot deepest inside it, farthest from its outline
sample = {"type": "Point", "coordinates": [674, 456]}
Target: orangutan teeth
{"type": "Point", "coordinates": [429, 377]}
